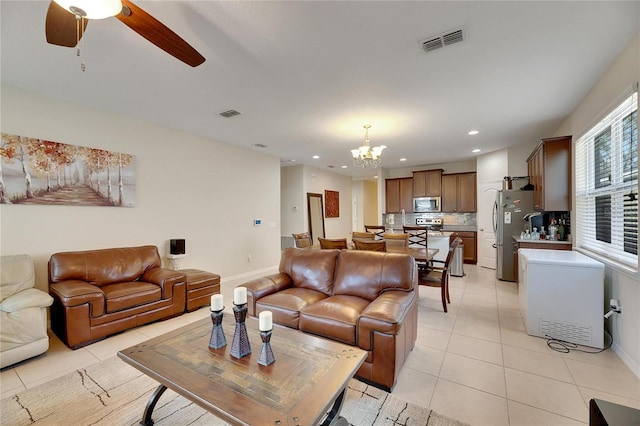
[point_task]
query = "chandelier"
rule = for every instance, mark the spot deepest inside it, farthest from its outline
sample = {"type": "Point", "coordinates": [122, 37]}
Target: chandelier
{"type": "Point", "coordinates": [365, 156]}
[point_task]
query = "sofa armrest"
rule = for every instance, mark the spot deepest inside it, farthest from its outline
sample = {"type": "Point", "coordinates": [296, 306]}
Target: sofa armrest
{"type": "Point", "coordinates": [75, 292]}
{"type": "Point", "coordinates": [385, 314]}
{"type": "Point", "coordinates": [264, 286]}
{"type": "Point", "coordinates": [165, 278]}
{"type": "Point", "coordinates": [29, 298]}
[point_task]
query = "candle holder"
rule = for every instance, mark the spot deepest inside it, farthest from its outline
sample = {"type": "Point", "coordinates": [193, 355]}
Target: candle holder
{"type": "Point", "coordinates": [266, 354]}
{"type": "Point", "coordinates": [240, 346]}
{"type": "Point", "coordinates": [218, 339]}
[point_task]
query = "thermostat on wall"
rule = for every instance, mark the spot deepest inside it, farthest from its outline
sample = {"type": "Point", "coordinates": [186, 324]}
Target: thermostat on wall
{"type": "Point", "coordinates": [257, 222]}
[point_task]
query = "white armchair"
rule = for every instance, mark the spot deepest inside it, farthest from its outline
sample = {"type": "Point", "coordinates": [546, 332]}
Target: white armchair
{"type": "Point", "coordinates": [23, 311]}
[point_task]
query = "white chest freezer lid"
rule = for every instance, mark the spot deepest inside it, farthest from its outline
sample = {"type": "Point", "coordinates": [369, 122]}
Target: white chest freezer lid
{"type": "Point", "coordinates": [559, 257]}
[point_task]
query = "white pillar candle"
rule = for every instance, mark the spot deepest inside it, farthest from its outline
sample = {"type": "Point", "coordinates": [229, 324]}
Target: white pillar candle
{"type": "Point", "coordinates": [266, 321]}
{"type": "Point", "coordinates": [240, 295]}
{"type": "Point", "coordinates": [217, 302]}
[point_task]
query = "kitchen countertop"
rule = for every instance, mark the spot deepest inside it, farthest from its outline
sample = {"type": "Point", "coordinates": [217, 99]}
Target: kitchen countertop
{"type": "Point", "coordinates": [453, 228]}
{"type": "Point", "coordinates": [521, 240]}
{"type": "Point", "coordinates": [434, 234]}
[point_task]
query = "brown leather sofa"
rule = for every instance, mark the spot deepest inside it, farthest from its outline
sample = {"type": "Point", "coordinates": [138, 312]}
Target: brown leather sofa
{"type": "Point", "coordinates": [361, 298]}
{"type": "Point", "coordinates": [97, 293]}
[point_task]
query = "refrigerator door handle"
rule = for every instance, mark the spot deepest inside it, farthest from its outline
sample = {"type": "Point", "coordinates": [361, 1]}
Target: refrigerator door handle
{"type": "Point", "coordinates": [494, 215]}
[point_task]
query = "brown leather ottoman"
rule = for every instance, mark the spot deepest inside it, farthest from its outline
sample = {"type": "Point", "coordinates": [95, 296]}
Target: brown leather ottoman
{"type": "Point", "coordinates": [200, 286]}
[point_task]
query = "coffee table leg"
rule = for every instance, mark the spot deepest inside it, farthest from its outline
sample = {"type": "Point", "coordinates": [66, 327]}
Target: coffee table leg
{"type": "Point", "coordinates": [333, 417]}
{"type": "Point", "coordinates": [148, 411]}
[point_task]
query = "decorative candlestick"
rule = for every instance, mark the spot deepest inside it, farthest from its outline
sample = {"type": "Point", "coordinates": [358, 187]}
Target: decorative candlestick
{"type": "Point", "coordinates": [266, 354]}
{"type": "Point", "coordinates": [218, 339]}
{"type": "Point", "coordinates": [240, 346]}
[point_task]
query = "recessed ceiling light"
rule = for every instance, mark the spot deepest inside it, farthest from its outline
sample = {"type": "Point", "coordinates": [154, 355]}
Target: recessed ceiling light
{"type": "Point", "coordinates": [476, 150]}
{"type": "Point", "coordinates": [343, 167]}
{"type": "Point", "coordinates": [315, 157]}
{"type": "Point", "coordinates": [375, 177]}
{"type": "Point", "coordinates": [403, 159]}
{"type": "Point", "coordinates": [473, 132]}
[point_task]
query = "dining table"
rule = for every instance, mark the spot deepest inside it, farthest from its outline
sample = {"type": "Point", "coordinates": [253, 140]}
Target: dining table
{"type": "Point", "coordinates": [421, 254]}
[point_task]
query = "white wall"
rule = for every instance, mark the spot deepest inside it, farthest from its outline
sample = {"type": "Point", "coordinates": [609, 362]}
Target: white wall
{"type": "Point", "coordinates": [619, 284]}
{"type": "Point", "coordinates": [297, 181]}
{"type": "Point", "coordinates": [187, 187]}
{"type": "Point", "coordinates": [293, 201]}
{"type": "Point", "coordinates": [317, 181]}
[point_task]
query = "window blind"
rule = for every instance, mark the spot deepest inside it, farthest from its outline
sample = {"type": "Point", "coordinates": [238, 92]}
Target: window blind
{"type": "Point", "coordinates": [607, 185]}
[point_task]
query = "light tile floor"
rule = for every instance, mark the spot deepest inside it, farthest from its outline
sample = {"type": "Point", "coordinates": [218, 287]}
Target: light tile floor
{"type": "Point", "coordinates": [475, 363]}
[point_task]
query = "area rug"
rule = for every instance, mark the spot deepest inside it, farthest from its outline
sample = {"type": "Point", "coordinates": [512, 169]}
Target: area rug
{"type": "Point", "coordinates": [113, 393]}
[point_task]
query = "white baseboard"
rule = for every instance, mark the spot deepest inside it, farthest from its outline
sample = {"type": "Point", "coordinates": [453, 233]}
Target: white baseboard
{"type": "Point", "coordinates": [246, 276]}
{"type": "Point", "coordinates": [629, 362]}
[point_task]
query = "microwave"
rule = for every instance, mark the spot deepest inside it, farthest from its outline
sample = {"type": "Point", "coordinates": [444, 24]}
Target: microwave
{"type": "Point", "coordinates": [426, 204]}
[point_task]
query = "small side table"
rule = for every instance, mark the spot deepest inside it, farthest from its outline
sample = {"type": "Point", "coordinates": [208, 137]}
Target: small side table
{"type": "Point", "coordinates": [605, 413]}
{"type": "Point", "coordinates": [176, 260]}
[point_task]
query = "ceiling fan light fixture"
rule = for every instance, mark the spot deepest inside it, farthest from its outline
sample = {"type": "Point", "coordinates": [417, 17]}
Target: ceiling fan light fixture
{"type": "Point", "coordinates": [92, 9]}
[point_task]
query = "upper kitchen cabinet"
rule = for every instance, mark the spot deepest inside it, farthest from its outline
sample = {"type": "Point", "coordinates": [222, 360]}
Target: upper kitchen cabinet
{"type": "Point", "coordinates": [549, 167]}
{"type": "Point", "coordinates": [399, 195]}
{"type": "Point", "coordinates": [459, 193]}
{"type": "Point", "coordinates": [427, 183]}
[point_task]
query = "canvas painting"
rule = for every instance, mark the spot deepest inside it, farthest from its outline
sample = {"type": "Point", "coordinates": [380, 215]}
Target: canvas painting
{"type": "Point", "coordinates": [38, 171]}
{"type": "Point", "coordinates": [332, 203]}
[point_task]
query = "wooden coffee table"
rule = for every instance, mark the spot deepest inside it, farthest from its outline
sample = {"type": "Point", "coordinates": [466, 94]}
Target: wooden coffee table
{"type": "Point", "coordinates": [305, 386]}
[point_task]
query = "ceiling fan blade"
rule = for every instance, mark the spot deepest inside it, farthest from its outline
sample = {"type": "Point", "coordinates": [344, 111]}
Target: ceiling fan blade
{"type": "Point", "coordinates": [158, 33]}
{"type": "Point", "coordinates": [61, 26]}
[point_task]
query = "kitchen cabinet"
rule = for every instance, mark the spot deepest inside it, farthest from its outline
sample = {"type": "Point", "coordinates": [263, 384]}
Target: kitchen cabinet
{"type": "Point", "coordinates": [549, 167]}
{"type": "Point", "coordinates": [536, 244]}
{"type": "Point", "coordinates": [459, 193]}
{"type": "Point", "coordinates": [399, 195]}
{"type": "Point", "coordinates": [470, 249]}
{"type": "Point", "coordinates": [427, 183]}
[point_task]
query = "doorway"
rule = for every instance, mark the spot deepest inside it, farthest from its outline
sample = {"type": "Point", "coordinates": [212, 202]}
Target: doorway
{"type": "Point", "coordinates": [316, 216]}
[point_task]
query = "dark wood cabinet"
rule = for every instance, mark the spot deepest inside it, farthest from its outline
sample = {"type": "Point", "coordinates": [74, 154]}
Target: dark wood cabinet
{"type": "Point", "coordinates": [399, 195]}
{"type": "Point", "coordinates": [427, 183]}
{"type": "Point", "coordinates": [549, 167]}
{"type": "Point", "coordinates": [459, 193]}
{"type": "Point", "coordinates": [470, 248]}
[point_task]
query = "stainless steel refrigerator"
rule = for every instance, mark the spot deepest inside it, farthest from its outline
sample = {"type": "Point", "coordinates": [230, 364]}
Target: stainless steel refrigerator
{"type": "Point", "coordinates": [508, 212]}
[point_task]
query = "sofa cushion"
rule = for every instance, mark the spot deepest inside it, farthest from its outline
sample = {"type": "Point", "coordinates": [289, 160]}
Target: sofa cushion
{"type": "Point", "coordinates": [105, 266]}
{"type": "Point", "coordinates": [308, 268]}
{"type": "Point", "coordinates": [129, 294]}
{"type": "Point", "coordinates": [335, 317]}
{"type": "Point", "coordinates": [367, 274]}
{"type": "Point", "coordinates": [287, 304]}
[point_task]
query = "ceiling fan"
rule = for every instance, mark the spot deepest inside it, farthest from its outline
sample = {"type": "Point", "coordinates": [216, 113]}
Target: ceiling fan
{"type": "Point", "coordinates": [67, 20]}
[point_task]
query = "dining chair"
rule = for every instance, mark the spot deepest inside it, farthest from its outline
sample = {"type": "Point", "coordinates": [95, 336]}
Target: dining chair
{"type": "Point", "coordinates": [393, 239]}
{"type": "Point", "coordinates": [335, 243]}
{"type": "Point", "coordinates": [417, 235]}
{"type": "Point", "coordinates": [378, 230]}
{"type": "Point", "coordinates": [302, 240]}
{"type": "Point", "coordinates": [362, 236]}
{"type": "Point", "coordinates": [438, 276]}
{"type": "Point", "coordinates": [374, 245]}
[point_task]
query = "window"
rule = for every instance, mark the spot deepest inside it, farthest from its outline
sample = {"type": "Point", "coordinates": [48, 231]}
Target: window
{"type": "Point", "coordinates": [607, 185]}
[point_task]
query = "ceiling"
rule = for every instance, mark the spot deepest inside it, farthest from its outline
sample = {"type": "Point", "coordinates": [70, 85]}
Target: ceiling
{"type": "Point", "coordinates": [307, 75]}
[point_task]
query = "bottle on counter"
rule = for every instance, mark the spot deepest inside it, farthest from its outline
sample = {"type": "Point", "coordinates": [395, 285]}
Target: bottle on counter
{"type": "Point", "coordinates": [560, 230]}
{"type": "Point", "coordinates": [527, 235]}
{"type": "Point", "coordinates": [535, 235]}
{"type": "Point", "coordinates": [553, 229]}
{"type": "Point", "coordinates": [543, 233]}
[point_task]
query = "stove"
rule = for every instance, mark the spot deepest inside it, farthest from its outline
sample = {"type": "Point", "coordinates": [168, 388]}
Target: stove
{"type": "Point", "coordinates": [432, 224]}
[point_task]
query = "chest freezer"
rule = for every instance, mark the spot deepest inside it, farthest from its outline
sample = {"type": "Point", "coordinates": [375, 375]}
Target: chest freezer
{"type": "Point", "coordinates": [561, 296]}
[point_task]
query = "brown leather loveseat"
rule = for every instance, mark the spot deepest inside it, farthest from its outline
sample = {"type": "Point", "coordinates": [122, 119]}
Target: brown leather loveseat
{"type": "Point", "coordinates": [361, 298]}
{"type": "Point", "coordinates": [101, 292]}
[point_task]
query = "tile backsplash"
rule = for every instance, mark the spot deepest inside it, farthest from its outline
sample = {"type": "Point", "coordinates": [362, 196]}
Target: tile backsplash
{"type": "Point", "coordinates": [395, 220]}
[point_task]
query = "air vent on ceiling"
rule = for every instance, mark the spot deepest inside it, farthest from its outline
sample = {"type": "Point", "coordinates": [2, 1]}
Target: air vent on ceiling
{"type": "Point", "coordinates": [229, 113]}
{"type": "Point", "coordinates": [445, 39]}
{"type": "Point", "coordinates": [260, 145]}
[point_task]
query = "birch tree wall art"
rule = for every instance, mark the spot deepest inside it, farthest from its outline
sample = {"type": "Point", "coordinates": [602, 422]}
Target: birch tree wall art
{"type": "Point", "coordinates": [38, 171]}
